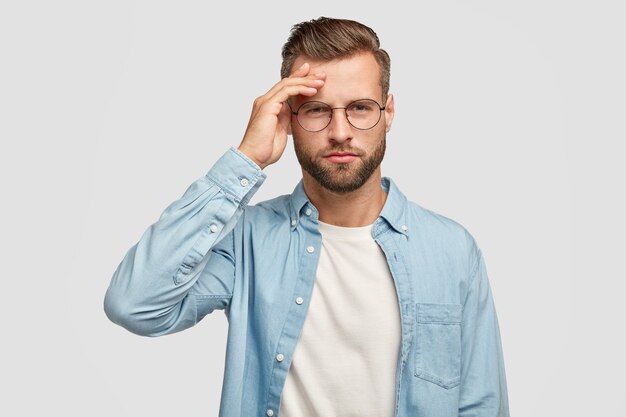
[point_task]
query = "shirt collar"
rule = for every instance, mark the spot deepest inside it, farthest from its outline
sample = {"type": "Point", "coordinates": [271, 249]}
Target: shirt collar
{"type": "Point", "coordinates": [393, 212]}
{"type": "Point", "coordinates": [298, 200]}
{"type": "Point", "coordinates": [395, 208]}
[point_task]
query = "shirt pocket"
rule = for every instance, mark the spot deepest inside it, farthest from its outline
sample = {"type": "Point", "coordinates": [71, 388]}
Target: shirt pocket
{"type": "Point", "coordinates": [438, 344]}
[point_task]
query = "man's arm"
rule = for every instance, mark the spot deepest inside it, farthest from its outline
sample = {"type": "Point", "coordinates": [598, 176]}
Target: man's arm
{"type": "Point", "coordinates": [151, 290]}
{"type": "Point", "coordinates": [483, 380]}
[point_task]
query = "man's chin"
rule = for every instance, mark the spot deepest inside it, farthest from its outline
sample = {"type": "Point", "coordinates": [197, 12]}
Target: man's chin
{"type": "Point", "coordinates": [338, 183]}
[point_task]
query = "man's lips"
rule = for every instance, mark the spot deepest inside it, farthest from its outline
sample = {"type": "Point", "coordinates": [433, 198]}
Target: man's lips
{"type": "Point", "coordinates": [341, 157]}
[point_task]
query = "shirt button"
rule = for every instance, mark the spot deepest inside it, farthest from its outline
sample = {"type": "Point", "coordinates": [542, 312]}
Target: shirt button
{"type": "Point", "coordinates": [280, 357]}
{"type": "Point", "coordinates": [244, 182]}
{"type": "Point", "coordinates": [308, 212]}
{"type": "Point", "coordinates": [269, 412]}
{"type": "Point", "coordinates": [294, 222]}
{"type": "Point", "coordinates": [299, 300]}
{"type": "Point", "coordinates": [213, 228]}
{"type": "Point", "coordinates": [403, 227]}
{"type": "Point", "coordinates": [310, 249]}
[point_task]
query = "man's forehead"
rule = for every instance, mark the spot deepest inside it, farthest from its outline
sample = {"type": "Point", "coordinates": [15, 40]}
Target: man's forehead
{"type": "Point", "coordinates": [315, 64]}
{"type": "Point", "coordinates": [347, 79]}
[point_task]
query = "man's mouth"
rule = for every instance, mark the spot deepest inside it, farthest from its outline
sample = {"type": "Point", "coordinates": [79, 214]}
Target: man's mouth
{"type": "Point", "coordinates": [341, 157]}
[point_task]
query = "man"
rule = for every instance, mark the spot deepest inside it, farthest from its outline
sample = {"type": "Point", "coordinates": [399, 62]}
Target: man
{"type": "Point", "coordinates": [343, 298]}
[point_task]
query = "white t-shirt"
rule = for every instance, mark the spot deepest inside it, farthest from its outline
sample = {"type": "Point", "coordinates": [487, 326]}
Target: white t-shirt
{"type": "Point", "coordinates": [344, 364]}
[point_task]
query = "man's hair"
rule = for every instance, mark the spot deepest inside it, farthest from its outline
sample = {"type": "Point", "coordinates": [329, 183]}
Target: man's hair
{"type": "Point", "coordinates": [326, 39]}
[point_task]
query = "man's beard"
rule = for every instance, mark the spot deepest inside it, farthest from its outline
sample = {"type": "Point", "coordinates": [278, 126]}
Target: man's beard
{"type": "Point", "coordinates": [342, 177]}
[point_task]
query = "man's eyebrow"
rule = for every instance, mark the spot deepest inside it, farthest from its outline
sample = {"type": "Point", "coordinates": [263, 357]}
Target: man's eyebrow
{"type": "Point", "coordinates": [346, 102]}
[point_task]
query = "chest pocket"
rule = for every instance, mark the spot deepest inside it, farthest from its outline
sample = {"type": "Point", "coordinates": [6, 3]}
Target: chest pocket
{"type": "Point", "coordinates": [438, 344]}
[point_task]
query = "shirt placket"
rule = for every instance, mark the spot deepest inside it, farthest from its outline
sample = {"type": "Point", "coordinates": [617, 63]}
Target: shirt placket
{"type": "Point", "coordinates": [390, 242]}
{"type": "Point", "coordinates": [299, 303]}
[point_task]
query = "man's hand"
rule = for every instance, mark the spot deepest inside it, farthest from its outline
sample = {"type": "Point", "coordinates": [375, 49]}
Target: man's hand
{"type": "Point", "coordinates": [266, 135]}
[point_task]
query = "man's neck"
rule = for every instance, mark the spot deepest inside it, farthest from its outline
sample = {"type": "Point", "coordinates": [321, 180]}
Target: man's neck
{"type": "Point", "coordinates": [354, 209]}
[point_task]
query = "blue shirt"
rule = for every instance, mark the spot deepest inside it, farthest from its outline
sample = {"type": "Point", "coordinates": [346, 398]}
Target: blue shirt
{"type": "Point", "coordinates": [210, 250]}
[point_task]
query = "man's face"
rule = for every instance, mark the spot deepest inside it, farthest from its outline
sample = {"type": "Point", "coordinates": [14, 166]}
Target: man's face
{"type": "Point", "coordinates": [318, 153]}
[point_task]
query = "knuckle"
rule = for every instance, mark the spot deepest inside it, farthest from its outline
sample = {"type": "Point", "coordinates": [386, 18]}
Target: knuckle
{"type": "Point", "coordinates": [288, 81]}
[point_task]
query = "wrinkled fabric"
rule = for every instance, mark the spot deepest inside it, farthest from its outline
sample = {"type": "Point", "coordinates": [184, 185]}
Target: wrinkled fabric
{"type": "Point", "coordinates": [211, 250]}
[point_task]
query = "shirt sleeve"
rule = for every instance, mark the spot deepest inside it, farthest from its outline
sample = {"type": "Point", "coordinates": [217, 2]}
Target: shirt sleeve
{"type": "Point", "coordinates": [183, 266]}
{"type": "Point", "coordinates": [483, 381]}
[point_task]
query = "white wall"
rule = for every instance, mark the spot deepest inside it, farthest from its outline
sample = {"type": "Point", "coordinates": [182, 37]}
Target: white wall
{"type": "Point", "coordinates": [509, 119]}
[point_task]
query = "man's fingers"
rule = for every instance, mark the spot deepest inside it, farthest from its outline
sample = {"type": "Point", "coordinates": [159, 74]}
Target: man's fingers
{"type": "Point", "coordinates": [294, 87]}
{"type": "Point", "coordinates": [284, 116]}
{"type": "Point", "coordinates": [299, 73]}
{"type": "Point", "coordinates": [303, 70]}
{"type": "Point", "coordinates": [283, 94]}
{"type": "Point", "coordinates": [309, 80]}
{"type": "Point", "coordinates": [300, 76]}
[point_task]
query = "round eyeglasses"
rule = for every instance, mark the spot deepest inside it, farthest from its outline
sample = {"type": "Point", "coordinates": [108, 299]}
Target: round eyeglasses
{"type": "Point", "coordinates": [315, 116]}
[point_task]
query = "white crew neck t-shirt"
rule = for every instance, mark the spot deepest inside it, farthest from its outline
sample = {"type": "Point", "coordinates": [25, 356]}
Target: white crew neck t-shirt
{"type": "Point", "coordinates": [344, 364]}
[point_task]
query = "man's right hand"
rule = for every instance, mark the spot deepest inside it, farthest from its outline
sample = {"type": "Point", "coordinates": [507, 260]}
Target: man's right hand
{"type": "Point", "coordinates": [266, 135]}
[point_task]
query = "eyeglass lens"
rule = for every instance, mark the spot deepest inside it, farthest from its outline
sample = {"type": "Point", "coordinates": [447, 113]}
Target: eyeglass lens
{"type": "Point", "coordinates": [316, 115]}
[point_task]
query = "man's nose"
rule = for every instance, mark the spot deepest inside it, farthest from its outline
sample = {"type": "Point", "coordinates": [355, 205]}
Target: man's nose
{"type": "Point", "coordinates": [340, 128]}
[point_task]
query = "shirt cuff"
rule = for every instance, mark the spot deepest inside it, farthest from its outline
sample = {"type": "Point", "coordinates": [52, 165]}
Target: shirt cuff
{"type": "Point", "coordinates": [237, 175]}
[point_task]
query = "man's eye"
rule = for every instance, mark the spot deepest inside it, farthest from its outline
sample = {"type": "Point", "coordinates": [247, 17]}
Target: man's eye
{"type": "Point", "coordinates": [360, 108]}
{"type": "Point", "coordinates": [317, 110]}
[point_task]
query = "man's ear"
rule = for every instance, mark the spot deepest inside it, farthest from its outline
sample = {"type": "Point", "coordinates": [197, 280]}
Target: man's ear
{"type": "Point", "coordinates": [389, 112]}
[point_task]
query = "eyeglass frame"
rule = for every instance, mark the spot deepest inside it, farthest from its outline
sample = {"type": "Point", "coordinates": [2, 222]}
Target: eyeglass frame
{"type": "Point", "coordinates": [345, 110]}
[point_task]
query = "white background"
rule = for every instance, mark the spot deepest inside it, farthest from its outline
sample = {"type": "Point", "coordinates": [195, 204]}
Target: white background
{"type": "Point", "coordinates": [509, 119]}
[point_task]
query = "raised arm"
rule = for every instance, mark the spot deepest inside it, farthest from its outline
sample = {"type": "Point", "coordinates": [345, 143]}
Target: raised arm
{"type": "Point", "coordinates": [151, 292]}
{"type": "Point", "coordinates": [183, 267]}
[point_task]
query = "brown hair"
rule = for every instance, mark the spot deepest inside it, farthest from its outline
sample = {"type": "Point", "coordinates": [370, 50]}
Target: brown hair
{"type": "Point", "coordinates": [327, 39]}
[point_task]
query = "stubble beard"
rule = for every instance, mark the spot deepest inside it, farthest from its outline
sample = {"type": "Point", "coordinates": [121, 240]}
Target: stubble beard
{"type": "Point", "coordinates": [342, 177]}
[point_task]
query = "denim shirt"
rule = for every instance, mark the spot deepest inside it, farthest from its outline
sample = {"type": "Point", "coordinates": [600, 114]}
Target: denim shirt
{"type": "Point", "coordinates": [210, 250]}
